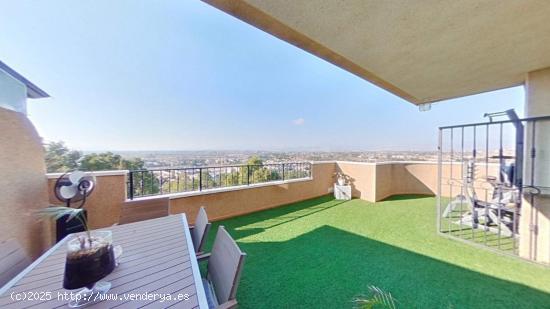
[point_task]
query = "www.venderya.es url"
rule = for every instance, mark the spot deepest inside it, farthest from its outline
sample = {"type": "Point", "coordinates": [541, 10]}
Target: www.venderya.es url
{"type": "Point", "coordinates": [96, 297]}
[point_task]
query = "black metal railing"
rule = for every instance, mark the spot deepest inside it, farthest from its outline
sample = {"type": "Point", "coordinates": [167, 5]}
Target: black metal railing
{"type": "Point", "coordinates": [177, 180]}
{"type": "Point", "coordinates": [486, 171]}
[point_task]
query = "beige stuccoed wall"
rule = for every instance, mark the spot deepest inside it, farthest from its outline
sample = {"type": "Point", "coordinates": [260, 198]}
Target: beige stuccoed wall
{"type": "Point", "coordinates": [23, 183]}
{"type": "Point", "coordinates": [535, 217]}
{"type": "Point", "coordinates": [404, 178]}
{"type": "Point", "coordinates": [104, 203]}
{"type": "Point", "coordinates": [363, 179]}
{"type": "Point", "coordinates": [377, 181]}
{"type": "Point", "coordinates": [233, 203]}
{"type": "Point", "coordinates": [370, 181]}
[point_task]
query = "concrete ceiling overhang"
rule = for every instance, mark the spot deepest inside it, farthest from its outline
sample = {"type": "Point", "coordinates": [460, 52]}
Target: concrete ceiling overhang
{"type": "Point", "coordinates": [421, 50]}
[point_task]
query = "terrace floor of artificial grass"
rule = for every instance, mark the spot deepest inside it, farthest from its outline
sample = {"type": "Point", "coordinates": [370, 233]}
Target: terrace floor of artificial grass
{"type": "Point", "coordinates": [321, 253]}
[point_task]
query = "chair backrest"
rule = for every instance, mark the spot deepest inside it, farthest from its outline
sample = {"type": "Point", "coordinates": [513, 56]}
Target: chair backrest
{"type": "Point", "coordinates": [139, 210]}
{"type": "Point", "coordinates": [200, 231]}
{"type": "Point", "coordinates": [13, 260]}
{"type": "Point", "coordinates": [225, 266]}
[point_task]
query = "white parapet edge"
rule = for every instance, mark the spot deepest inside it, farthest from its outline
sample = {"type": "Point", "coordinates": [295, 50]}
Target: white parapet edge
{"type": "Point", "coordinates": [95, 173]}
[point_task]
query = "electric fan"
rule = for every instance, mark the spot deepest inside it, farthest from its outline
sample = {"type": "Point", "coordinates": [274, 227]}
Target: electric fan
{"type": "Point", "coordinates": [74, 187]}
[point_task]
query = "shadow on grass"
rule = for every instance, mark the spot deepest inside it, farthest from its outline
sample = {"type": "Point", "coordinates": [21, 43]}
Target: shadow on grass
{"type": "Point", "coordinates": [328, 267]}
{"type": "Point", "coordinates": [260, 221]}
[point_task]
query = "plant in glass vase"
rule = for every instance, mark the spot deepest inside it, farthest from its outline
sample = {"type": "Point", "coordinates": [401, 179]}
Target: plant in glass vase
{"type": "Point", "coordinates": [90, 257]}
{"type": "Point", "coordinates": [341, 178]}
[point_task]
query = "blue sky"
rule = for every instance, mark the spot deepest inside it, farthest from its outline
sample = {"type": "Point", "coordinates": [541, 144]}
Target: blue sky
{"type": "Point", "coordinates": [181, 75]}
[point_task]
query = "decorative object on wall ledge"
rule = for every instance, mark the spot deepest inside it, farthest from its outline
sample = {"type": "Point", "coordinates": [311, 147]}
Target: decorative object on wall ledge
{"type": "Point", "coordinates": [342, 179]}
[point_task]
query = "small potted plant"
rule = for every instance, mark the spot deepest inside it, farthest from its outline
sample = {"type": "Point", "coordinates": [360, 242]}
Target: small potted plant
{"type": "Point", "coordinates": [90, 256]}
{"type": "Point", "coordinates": [341, 178]}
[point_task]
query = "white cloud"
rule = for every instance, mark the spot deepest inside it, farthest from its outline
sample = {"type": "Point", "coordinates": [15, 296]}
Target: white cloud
{"type": "Point", "coordinates": [298, 121]}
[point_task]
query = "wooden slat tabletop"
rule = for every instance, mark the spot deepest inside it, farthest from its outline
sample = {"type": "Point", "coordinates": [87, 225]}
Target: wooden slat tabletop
{"type": "Point", "coordinates": [157, 266]}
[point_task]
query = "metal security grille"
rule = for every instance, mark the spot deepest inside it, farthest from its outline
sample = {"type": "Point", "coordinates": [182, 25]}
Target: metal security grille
{"type": "Point", "coordinates": [486, 171]}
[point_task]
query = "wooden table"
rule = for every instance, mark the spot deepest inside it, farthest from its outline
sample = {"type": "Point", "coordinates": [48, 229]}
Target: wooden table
{"type": "Point", "coordinates": [158, 259]}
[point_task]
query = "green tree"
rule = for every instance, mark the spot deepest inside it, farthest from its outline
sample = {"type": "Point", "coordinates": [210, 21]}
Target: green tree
{"type": "Point", "coordinates": [254, 160]}
{"type": "Point", "coordinates": [260, 173]}
{"type": "Point", "coordinates": [109, 161]}
{"type": "Point", "coordinates": [133, 164]}
{"type": "Point", "coordinates": [101, 162]}
{"type": "Point", "coordinates": [59, 158]}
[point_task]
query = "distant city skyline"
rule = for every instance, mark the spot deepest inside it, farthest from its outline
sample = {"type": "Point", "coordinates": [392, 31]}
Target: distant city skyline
{"type": "Point", "coordinates": [181, 75]}
{"type": "Point", "coordinates": [178, 159]}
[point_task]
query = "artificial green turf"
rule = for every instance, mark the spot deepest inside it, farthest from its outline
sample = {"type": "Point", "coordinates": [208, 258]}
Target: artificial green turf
{"type": "Point", "coordinates": [321, 253]}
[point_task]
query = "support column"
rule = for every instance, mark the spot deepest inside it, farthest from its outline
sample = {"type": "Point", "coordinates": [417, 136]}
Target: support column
{"type": "Point", "coordinates": [535, 212]}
